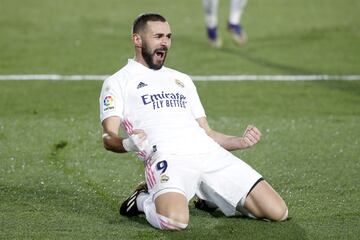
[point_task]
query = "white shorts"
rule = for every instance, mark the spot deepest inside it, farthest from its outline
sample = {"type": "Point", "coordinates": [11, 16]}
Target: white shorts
{"type": "Point", "coordinates": [218, 176]}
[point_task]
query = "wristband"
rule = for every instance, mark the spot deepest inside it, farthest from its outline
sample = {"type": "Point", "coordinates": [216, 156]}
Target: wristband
{"type": "Point", "coordinates": [134, 144]}
{"type": "Point", "coordinates": [129, 145]}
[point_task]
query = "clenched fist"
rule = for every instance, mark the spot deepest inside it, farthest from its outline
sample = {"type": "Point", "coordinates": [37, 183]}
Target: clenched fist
{"type": "Point", "coordinates": [250, 137]}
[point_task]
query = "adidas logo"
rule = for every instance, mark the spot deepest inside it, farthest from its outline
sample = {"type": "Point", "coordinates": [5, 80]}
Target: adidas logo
{"type": "Point", "coordinates": [141, 84]}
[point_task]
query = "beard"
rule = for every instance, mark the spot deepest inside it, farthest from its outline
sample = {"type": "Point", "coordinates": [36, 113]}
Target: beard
{"type": "Point", "coordinates": [148, 56]}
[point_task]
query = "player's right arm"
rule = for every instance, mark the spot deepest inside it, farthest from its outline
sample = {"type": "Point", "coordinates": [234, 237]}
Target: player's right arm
{"type": "Point", "coordinates": [111, 139]}
{"type": "Point", "coordinates": [113, 142]}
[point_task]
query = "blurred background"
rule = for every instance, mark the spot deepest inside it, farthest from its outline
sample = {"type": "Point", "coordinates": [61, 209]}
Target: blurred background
{"type": "Point", "coordinates": [93, 37]}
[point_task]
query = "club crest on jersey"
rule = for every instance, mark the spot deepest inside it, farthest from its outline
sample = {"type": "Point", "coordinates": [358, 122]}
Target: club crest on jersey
{"type": "Point", "coordinates": [179, 83]}
{"type": "Point", "coordinates": [164, 178]}
{"type": "Point", "coordinates": [108, 103]}
{"type": "Point", "coordinates": [141, 85]}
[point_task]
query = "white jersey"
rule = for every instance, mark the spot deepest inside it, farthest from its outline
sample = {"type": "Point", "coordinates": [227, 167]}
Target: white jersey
{"type": "Point", "coordinates": [164, 103]}
{"type": "Point", "coordinates": [181, 157]}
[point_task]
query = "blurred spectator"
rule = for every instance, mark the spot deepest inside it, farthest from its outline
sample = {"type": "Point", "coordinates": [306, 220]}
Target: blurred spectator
{"type": "Point", "coordinates": [233, 24]}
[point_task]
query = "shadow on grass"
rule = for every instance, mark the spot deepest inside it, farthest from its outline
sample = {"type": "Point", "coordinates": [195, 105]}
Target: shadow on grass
{"type": "Point", "coordinates": [207, 226]}
{"type": "Point", "coordinates": [232, 51]}
{"type": "Point", "coordinates": [260, 61]}
{"type": "Point", "coordinates": [351, 87]}
{"type": "Point", "coordinates": [254, 229]}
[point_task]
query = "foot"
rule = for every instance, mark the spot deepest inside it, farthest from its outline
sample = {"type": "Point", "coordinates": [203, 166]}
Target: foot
{"type": "Point", "coordinates": [238, 34]}
{"type": "Point", "coordinates": [129, 206]}
{"type": "Point", "coordinates": [203, 205]}
{"type": "Point", "coordinates": [217, 43]}
{"type": "Point", "coordinates": [213, 38]}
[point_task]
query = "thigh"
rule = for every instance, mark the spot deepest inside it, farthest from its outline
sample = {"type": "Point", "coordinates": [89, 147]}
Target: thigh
{"type": "Point", "coordinates": [171, 173]}
{"type": "Point", "coordinates": [227, 181]}
{"type": "Point", "coordinates": [264, 202]}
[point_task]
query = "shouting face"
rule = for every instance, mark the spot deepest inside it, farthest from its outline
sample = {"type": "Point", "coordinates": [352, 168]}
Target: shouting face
{"type": "Point", "coordinates": [155, 42]}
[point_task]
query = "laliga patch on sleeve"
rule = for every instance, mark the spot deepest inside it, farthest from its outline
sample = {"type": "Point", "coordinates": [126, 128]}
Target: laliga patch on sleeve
{"type": "Point", "coordinates": [108, 103]}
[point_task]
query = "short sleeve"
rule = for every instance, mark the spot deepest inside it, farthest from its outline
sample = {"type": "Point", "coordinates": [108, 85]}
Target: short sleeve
{"type": "Point", "coordinates": [196, 107]}
{"type": "Point", "coordinates": [111, 100]}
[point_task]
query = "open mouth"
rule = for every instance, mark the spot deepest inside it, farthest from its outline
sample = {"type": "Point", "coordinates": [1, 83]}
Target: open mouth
{"type": "Point", "coordinates": [160, 53]}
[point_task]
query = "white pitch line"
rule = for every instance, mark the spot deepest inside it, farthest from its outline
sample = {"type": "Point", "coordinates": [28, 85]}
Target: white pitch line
{"type": "Point", "coordinates": [275, 77]}
{"type": "Point", "coordinates": [57, 77]}
{"type": "Point", "coordinates": [52, 77]}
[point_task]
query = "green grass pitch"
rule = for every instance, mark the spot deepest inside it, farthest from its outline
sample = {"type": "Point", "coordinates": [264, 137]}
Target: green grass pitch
{"type": "Point", "coordinates": [57, 181]}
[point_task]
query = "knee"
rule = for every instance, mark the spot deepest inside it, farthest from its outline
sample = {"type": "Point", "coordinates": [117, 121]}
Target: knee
{"type": "Point", "coordinates": [173, 211]}
{"type": "Point", "coordinates": [181, 217]}
{"type": "Point", "coordinates": [279, 213]}
{"type": "Point", "coordinates": [173, 218]}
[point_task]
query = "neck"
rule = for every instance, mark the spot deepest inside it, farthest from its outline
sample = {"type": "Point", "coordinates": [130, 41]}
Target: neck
{"type": "Point", "coordinates": [141, 61]}
{"type": "Point", "coordinates": [139, 58]}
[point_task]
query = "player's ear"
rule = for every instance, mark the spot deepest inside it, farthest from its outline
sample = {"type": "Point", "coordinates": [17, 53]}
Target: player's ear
{"type": "Point", "coordinates": [136, 38]}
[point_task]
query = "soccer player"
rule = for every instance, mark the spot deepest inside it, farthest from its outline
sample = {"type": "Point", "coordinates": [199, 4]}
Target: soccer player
{"type": "Point", "coordinates": [233, 25]}
{"type": "Point", "coordinates": [166, 125]}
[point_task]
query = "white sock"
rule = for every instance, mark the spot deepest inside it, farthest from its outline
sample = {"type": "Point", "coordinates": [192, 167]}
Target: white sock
{"type": "Point", "coordinates": [140, 201]}
{"type": "Point", "coordinates": [236, 10]}
{"type": "Point", "coordinates": [158, 221]}
{"type": "Point", "coordinates": [211, 12]}
{"type": "Point", "coordinates": [150, 213]}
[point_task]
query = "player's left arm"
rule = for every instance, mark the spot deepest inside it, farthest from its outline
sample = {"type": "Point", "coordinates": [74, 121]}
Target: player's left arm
{"type": "Point", "coordinates": [250, 137]}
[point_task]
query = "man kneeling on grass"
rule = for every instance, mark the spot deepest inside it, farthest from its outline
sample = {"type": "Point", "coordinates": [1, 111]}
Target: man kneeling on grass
{"type": "Point", "coordinates": [166, 125]}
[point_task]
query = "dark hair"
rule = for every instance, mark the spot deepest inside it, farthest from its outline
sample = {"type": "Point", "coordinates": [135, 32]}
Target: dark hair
{"type": "Point", "coordinates": [140, 22]}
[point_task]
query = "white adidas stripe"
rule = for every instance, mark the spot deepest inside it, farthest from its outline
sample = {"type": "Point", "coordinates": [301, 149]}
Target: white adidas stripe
{"type": "Point", "coordinates": [58, 77]}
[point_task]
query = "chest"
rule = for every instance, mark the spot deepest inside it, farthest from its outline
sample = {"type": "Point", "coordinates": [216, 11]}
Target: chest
{"type": "Point", "coordinates": [157, 93]}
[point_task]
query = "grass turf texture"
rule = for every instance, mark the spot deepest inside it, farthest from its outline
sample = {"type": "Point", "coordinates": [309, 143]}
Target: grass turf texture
{"type": "Point", "coordinates": [56, 180]}
{"type": "Point", "coordinates": [92, 37]}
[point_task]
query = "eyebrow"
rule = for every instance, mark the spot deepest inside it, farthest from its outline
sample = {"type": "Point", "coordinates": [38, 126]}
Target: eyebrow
{"type": "Point", "coordinates": [162, 34]}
